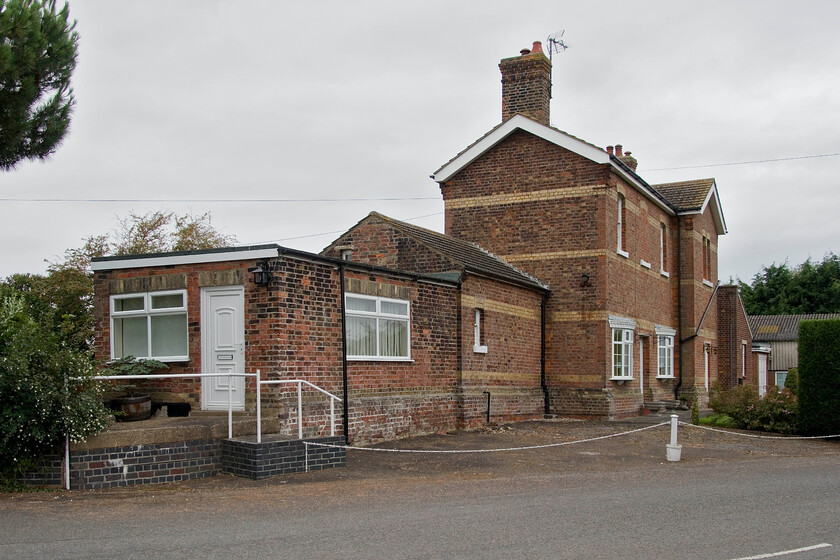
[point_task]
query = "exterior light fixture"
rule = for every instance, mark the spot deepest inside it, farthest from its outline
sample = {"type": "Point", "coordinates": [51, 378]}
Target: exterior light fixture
{"type": "Point", "coordinates": [262, 274]}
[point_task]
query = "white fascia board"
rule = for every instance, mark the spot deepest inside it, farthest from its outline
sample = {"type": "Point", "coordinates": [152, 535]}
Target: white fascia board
{"type": "Point", "coordinates": [174, 260]}
{"type": "Point", "coordinates": [713, 201]}
{"type": "Point", "coordinates": [519, 122]}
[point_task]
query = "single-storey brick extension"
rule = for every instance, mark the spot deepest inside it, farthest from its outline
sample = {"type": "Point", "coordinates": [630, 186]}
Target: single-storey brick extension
{"type": "Point", "coordinates": [564, 284]}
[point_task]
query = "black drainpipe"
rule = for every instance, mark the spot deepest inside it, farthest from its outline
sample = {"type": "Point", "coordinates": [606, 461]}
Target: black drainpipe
{"type": "Point", "coordinates": [679, 306]}
{"type": "Point", "coordinates": [346, 411]}
{"type": "Point", "coordinates": [542, 354]}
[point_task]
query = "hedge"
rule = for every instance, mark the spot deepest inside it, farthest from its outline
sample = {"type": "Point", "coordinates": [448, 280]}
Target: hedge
{"type": "Point", "coordinates": [819, 377]}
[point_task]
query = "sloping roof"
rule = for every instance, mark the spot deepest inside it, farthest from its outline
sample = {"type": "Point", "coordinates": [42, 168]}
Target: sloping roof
{"type": "Point", "coordinates": [471, 257]}
{"type": "Point", "coordinates": [771, 328]}
{"type": "Point", "coordinates": [686, 195]}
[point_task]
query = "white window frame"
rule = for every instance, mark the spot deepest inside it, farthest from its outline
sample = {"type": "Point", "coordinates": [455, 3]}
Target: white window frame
{"type": "Point", "coordinates": [624, 346]}
{"type": "Point", "coordinates": [664, 351]}
{"type": "Point", "coordinates": [784, 375]}
{"type": "Point", "coordinates": [379, 315]}
{"type": "Point", "coordinates": [622, 203]}
{"type": "Point", "coordinates": [663, 253]}
{"type": "Point", "coordinates": [148, 312]}
{"type": "Point", "coordinates": [478, 346]}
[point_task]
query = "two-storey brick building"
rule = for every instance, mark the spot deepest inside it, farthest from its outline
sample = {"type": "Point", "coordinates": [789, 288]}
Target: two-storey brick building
{"type": "Point", "coordinates": [564, 283]}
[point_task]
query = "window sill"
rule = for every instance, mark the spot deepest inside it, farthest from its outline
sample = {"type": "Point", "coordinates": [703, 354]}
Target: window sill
{"type": "Point", "coordinates": [665, 377]}
{"type": "Point", "coordinates": [708, 283]}
{"type": "Point", "coordinates": [166, 360]}
{"type": "Point", "coordinates": [624, 254]}
{"type": "Point", "coordinates": [644, 263]}
{"type": "Point", "coordinates": [621, 380]}
{"type": "Point", "coordinates": [665, 274]}
{"type": "Point", "coordinates": [480, 349]}
{"type": "Point", "coordinates": [377, 359]}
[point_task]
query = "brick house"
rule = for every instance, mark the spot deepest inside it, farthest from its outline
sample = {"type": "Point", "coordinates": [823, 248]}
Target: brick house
{"type": "Point", "coordinates": [564, 283]}
{"type": "Point", "coordinates": [413, 362]}
{"type": "Point", "coordinates": [740, 360]}
{"type": "Point", "coordinates": [631, 266]}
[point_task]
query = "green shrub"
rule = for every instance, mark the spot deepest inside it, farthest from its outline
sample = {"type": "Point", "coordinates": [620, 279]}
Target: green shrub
{"type": "Point", "coordinates": [718, 420]}
{"type": "Point", "coordinates": [39, 402]}
{"type": "Point", "coordinates": [775, 412]}
{"type": "Point", "coordinates": [819, 377]}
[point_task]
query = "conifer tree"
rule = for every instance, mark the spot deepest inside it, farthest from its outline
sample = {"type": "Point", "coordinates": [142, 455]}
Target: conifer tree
{"type": "Point", "coordinates": [38, 50]}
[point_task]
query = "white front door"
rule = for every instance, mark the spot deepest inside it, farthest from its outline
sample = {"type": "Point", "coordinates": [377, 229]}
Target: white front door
{"type": "Point", "coordinates": [762, 374]}
{"type": "Point", "coordinates": [223, 346]}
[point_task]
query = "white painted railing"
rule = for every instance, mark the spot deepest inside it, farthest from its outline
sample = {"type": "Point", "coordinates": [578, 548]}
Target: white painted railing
{"type": "Point", "coordinates": [259, 383]}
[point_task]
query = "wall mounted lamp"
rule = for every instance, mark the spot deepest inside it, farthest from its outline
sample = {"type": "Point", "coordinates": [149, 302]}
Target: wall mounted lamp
{"type": "Point", "coordinates": [262, 274]}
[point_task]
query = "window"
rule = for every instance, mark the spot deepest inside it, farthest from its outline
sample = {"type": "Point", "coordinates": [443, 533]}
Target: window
{"type": "Point", "coordinates": [743, 360]}
{"type": "Point", "coordinates": [663, 250]}
{"type": "Point", "coordinates": [666, 356]}
{"type": "Point", "coordinates": [781, 377]}
{"type": "Point", "coordinates": [665, 351]}
{"type": "Point", "coordinates": [620, 226]}
{"type": "Point", "coordinates": [150, 325]}
{"type": "Point", "coordinates": [479, 345]}
{"type": "Point", "coordinates": [707, 258]}
{"type": "Point", "coordinates": [622, 354]}
{"type": "Point", "coordinates": [377, 328]}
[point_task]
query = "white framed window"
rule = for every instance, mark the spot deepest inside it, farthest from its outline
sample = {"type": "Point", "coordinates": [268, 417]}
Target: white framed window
{"type": "Point", "coordinates": [622, 347]}
{"type": "Point", "coordinates": [781, 377]}
{"type": "Point", "coordinates": [377, 328]}
{"type": "Point", "coordinates": [479, 342]}
{"type": "Point", "coordinates": [665, 351]}
{"type": "Point", "coordinates": [150, 325]}
{"type": "Point", "coordinates": [666, 356]}
{"type": "Point", "coordinates": [622, 355]}
{"type": "Point", "coordinates": [743, 359]}
{"type": "Point", "coordinates": [620, 223]}
{"type": "Point", "coordinates": [663, 250]}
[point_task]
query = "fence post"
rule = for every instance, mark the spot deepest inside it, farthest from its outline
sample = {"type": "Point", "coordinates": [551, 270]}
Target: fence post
{"type": "Point", "coordinates": [230, 407]}
{"type": "Point", "coordinates": [300, 411]}
{"type": "Point", "coordinates": [332, 416]}
{"type": "Point", "coordinates": [672, 450]}
{"type": "Point", "coordinates": [259, 408]}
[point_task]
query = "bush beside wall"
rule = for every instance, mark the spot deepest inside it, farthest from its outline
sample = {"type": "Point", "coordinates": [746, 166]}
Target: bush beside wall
{"type": "Point", "coordinates": [819, 377]}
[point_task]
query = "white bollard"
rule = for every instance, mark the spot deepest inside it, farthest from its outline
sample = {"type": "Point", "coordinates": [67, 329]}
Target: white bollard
{"type": "Point", "coordinates": [672, 450]}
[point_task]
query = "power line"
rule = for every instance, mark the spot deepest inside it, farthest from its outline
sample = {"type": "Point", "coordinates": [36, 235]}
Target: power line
{"type": "Point", "coordinates": [333, 232]}
{"type": "Point", "coordinates": [742, 162]}
{"type": "Point", "coordinates": [220, 200]}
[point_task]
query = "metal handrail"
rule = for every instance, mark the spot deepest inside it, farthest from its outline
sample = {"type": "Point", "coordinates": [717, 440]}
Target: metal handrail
{"type": "Point", "coordinates": [300, 383]}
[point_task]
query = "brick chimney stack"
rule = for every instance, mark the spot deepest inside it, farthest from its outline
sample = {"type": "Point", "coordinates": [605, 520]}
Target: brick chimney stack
{"type": "Point", "coordinates": [526, 85]}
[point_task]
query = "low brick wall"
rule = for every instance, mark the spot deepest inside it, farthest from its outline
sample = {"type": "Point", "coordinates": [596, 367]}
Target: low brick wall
{"type": "Point", "coordinates": [273, 456]}
{"type": "Point", "coordinates": [143, 464]}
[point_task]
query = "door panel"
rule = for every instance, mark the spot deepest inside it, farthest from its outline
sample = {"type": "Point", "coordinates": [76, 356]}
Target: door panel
{"type": "Point", "coordinates": [223, 347]}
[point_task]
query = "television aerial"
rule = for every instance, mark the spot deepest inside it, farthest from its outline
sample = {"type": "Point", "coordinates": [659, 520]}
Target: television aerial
{"type": "Point", "coordinates": [556, 44]}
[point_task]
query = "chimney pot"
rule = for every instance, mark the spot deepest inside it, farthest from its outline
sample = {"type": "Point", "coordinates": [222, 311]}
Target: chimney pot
{"type": "Point", "coordinates": [537, 48]}
{"type": "Point", "coordinates": [523, 52]}
{"type": "Point", "coordinates": [618, 150]}
{"type": "Point", "coordinates": [610, 150]}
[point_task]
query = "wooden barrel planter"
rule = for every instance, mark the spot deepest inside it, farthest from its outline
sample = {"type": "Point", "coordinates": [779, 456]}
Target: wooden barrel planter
{"type": "Point", "coordinates": [131, 409]}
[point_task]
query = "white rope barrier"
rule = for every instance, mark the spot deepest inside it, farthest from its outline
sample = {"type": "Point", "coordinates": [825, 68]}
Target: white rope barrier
{"type": "Point", "coordinates": [755, 436]}
{"type": "Point", "coordinates": [456, 451]}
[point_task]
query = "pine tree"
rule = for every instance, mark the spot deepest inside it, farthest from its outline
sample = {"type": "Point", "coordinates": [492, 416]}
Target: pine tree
{"type": "Point", "coordinates": [38, 50]}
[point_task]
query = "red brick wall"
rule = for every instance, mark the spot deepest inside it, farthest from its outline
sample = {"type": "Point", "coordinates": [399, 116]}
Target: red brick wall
{"type": "Point", "coordinates": [734, 332]}
{"type": "Point", "coordinates": [553, 214]}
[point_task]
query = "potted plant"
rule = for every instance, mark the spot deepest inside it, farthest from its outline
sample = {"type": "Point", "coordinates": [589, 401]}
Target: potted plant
{"type": "Point", "coordinates": [134, 403]}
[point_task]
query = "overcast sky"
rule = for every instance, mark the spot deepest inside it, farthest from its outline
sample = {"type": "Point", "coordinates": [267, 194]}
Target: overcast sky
{"type": "Point", "coordinates": [237, 107]}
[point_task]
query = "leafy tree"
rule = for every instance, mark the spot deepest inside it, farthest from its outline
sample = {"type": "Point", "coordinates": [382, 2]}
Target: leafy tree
{"type": "Point", "coordinates": [808, 288]}
{"type": "Point", "coordinates": [38, 49]}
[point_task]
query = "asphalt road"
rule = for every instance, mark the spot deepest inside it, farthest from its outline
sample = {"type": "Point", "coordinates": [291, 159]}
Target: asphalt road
{"type": "Point", "coordinates": [689, 510]}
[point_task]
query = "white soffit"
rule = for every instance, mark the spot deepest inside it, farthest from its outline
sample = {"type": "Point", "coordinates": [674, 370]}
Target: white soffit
{"type": "Point", "coordinates": [519, 122]}
{"type": "Point", "coordinates": [174, 260]}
